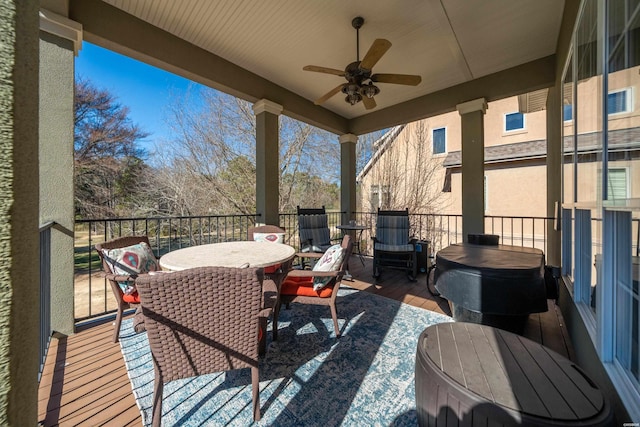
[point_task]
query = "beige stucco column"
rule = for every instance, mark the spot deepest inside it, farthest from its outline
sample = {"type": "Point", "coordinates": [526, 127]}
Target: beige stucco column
{"type": "Point", "coordinates": [472, 119]}
{"type": "Point", "coordinates": [348, 143]}
{"type": "Point", "coordinates": [554, 174]}
{"type": "Point", "coordinates": [267, 160]}
{"type": "Point", "coordinates": [19, 242]}
{"type": "Point", "coordinates": [60, 40]}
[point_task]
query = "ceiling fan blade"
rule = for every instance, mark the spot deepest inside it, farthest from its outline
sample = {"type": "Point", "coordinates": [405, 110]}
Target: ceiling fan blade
{"type": "Point", "coordinates": [399, 79]}
{"type": "Point", "coordinates": [369, 103]}
{"type": "Point", "coordinates": [325, 70]}
{"type": "Point", "coordinates": [328, 95]}
{"type": "Point", "coordinates": [377, 49]}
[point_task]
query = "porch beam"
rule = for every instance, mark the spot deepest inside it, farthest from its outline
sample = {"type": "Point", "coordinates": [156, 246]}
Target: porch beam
{"type": "Point", "coordinates": [534, 75]}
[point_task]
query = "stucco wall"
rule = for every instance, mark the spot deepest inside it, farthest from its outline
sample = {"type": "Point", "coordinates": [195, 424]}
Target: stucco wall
{"type": "Point", "coordinates": [19, 270]}
{"type": "Point", "coordinates": [56, 170]}
{"type": "Point", "coordinates": [494, 124]}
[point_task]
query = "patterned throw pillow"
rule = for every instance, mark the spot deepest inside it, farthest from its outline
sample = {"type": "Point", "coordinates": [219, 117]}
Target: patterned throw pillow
{"type": "Point", "coordinates": [330, 261]}
{"type": "Point", "coordinates": [131, 260]}
{"type": "Point", "coordinates": [269, 237]}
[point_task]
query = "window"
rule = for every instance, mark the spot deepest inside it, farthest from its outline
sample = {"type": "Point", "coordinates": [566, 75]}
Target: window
{"type": "Point", "coordinates": [619, 101]}
{"type": "Point", "coordinates": [567, 112]}
{"type": "Point", "coordinates": [618, 187]}
{"type": "Point", "coordinates": [439, 137]}
{"type": "Point", "coordinates": [617, 184]}
{"type": "Point", "coordinates": [380, 197]}
{"type": "Point", "coordinates": [513, 121]}
{"type": "Point", "coordinates": [600, 233]}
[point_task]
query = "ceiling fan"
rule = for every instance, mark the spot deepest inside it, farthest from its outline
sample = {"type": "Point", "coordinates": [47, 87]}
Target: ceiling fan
{"type": "Point", "coordinates": [360, 82]}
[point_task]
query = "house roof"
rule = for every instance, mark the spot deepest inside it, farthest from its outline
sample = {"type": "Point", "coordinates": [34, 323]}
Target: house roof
{"type": "Point", "coordinates": [381, 146]}
{"type": "Point", "coordinates": [618, 140]}
{"type": "Point", "coordinates": [257, 49]}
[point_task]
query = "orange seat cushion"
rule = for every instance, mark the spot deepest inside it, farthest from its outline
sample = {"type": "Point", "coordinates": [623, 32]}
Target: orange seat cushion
{"type": "Point", "coordinates": [132, 298]}
{"type": "Point", "coordinates": [271, 269]}
{"type": "Point", "coordinates": [303, 286]}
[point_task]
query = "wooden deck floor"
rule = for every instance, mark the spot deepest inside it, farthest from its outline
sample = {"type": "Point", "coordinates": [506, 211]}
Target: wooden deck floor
{"type": "Point", "coordinates": [85, 382]}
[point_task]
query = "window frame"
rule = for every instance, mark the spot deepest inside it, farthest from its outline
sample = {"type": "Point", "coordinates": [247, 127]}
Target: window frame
{"type": "Point", "coordinates": [565, 120]}
{"type": "Point", "coordinates": [433, 141]}
{"type": "Point", "coordinates": [628, 104]}
{"type": "Point", "coordinates": [504, 122]}
{"type": "Point", "coordinates": [615, 227]}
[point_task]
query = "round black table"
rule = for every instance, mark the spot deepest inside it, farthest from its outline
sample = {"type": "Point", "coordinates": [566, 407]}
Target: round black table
{"type": "Point", "coordinates": [357, 229]}
{"type": "Point", "coordinates": [497, 285]}
{"type": "Point", "coordinates": [469, 374]}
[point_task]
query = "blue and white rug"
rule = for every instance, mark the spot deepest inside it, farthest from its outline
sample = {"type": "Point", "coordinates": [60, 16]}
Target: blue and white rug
{"type": "Point", "coordinates": [307, 377]}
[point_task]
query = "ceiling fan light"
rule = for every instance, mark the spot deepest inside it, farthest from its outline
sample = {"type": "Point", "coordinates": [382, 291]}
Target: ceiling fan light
{"type": "Point", "coordinates": [353, 98]}
{"type": "Point", "coordinates": [369, 90]}
{"type": "Point", "coordinates": [350, 89]}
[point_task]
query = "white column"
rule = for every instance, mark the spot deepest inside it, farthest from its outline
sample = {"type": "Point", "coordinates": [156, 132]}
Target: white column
{"type": "Point", "coordinates": [267, 161]}
{"type": "Point", "coordinates": [60, 40]}
{"type": "Point", "coordinates": [348, 143]}
{"type": "Point", "coordinates": [554, 174]}
{"type": "Point", "coordinates": [472, 119]}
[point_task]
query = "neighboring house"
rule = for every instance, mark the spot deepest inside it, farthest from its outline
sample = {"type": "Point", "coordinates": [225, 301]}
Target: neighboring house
{"type": "Point", "coordinates": [418, 165]}
{"type": "Point", "coordinates": [515, 164]}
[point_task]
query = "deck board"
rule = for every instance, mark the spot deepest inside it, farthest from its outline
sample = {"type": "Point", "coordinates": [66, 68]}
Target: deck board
{"type": "Point", "coordinates": [85, 383]}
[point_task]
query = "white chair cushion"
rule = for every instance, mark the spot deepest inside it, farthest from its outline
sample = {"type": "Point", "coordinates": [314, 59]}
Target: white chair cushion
{"type": "Point", "coordinates": [330, 261]}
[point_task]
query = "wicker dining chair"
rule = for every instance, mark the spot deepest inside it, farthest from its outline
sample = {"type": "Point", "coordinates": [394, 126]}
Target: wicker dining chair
{"type": "Point", "coordinates": [124, 301]}
{"type": "Point", "coordinates": [210, 327]}
{"type": "Point", "coordinates": [297, 286]}
{"type": "Point", "coordinates": [273, 275]}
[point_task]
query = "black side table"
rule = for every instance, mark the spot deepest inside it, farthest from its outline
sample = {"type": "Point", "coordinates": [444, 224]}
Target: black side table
{"type": "Point", "coordinates": [345, 228]}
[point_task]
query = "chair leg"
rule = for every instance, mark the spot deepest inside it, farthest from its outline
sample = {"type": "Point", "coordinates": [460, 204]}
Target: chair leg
{"type": "Point", "coordinates": [274, 324]}
{"type": "Point", "coordinates": [414, 267]}
{"type": "Point", "coordinates": [116, 331]}
{"type": "Point", "coordinates": [255, 392]}
{"type": "Point", "coordinates": [334, 315]}
{"type": "Point", "coordinates": [376, 268]}
{"type": "Point", "coordinates": [262, 335]}
{"type": "Point", "coordinates": [157, 400]}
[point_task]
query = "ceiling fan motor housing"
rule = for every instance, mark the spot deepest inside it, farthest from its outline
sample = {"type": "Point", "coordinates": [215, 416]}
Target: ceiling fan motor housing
{"type": "Point", "coordinates": [354, 74]}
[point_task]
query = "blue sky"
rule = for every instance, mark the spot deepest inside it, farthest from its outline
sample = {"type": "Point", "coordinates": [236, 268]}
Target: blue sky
{"type": "Point", "coordinates": [146, 90]}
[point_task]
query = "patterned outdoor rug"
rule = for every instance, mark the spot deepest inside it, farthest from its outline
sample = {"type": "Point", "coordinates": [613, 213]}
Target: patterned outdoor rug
{"type": "Point", "coordinates": [307, 377]}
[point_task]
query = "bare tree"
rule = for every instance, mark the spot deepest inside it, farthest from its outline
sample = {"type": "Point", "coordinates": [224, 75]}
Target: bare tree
{"type": "Point", "coordinates": [210, 164]}
{"type": "Point", "coordinates": [108, 160]}
{"type": "Point", "coordinates": [405, 174]}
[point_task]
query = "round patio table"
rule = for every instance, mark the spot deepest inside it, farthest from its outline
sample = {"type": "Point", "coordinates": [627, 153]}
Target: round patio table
{"type": "Point", "coordinates": [357, 229]}
{"type": "Point", "coordinates": [496, 285]}
{"type": "Point", "coordinates": [228, 254]}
